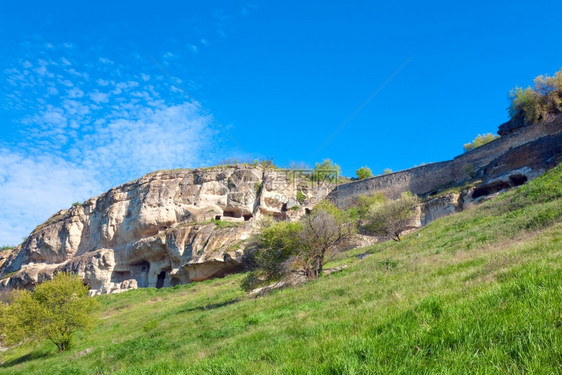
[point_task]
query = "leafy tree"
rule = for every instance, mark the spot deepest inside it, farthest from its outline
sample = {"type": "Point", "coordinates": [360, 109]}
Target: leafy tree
{"type": "Point", "coordinates": [387, 171]}
{"type": "Point", "coordinates": [269, 250]}
{"type": "Point", "coordinates": [535, 102]}
{"type": "Point", "coordinates": [324, 233]}
{"type": "Point", "coordinates": [282, 248]}
{"type": "Point", "coordinates": [391, 217]}
{"type": "Point", "coordinates": [327, 170]}
{"type": "Point", "coordinates": [364, 202]}
{"type": "Point", "coordinates": [364, 172]}
{"type": "Point", "coordinates": [480, 140]}
{"type": "Point", "coordinates": [55, 310]}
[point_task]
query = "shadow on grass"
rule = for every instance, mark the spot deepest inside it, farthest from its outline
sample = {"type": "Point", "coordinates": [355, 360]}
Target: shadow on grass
{"type": "Point", "coordinates": [210, 306]}
{"type": "Point", "coordinates": [24, 358]}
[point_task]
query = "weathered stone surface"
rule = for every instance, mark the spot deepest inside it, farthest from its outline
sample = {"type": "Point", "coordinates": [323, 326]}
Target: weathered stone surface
{"type": "Point", "coordinates": [439, 207]}
{"type": "Point", "coordinates": [510, 126]}
{"type": "Point", "coordinates": [157, 231]}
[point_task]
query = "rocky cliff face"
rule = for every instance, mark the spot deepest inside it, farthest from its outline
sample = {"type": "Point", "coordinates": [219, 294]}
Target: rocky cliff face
{"type": "Point", "coordinates": [167, 228]}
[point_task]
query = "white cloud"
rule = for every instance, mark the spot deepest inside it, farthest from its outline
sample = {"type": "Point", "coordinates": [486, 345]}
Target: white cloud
{"type": "Point", "coordinates": [99, 97]}
{"type": "Point", "coordinates": [193, 48]}
{"type": "Point", "coordinates": [81, 141]}
{"type": "Point", "coordinates": [75, 93]}
{"type": "Point", "coordinates": [106, 61]}
{"type": "Point", "coordinates": [33, 188]}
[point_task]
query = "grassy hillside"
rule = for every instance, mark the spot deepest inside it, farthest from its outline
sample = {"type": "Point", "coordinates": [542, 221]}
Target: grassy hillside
{"type": "Point", "coordinates": [479, 292]}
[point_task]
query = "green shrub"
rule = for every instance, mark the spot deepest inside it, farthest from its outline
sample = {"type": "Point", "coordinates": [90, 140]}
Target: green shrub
{"type": "Point", "coordinates": [268, 250]}
{"type": "Point", "coordinates": [281, 248]}
{"type": "Point", "coordinates": [364, 202]}
{"type": "Point", "coordinates": [480, 140]}
{"type": "Point", "coordinates": [387, 171]}
{"type": "Point", "coordinates": [327, 171]}
{"type": "Point", "coordinates": [364, 172]}
{"type": "Point", "coordinates": [392, 217]}
{"type": "Point", "coordinates": [301, 198]}
{"type": "Point", "coordinates": [55, 310]}
{"type": "Point", "coordinates": [535, 102]}
{"type": "Point", "coordinates": [257, 187]}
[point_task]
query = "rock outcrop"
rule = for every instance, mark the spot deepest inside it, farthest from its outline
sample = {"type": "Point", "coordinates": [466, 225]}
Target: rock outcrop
{"type": "Point", "coordinates": [164, 229]}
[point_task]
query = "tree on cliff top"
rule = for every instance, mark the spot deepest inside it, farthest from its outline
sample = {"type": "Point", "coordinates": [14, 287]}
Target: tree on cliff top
{"type": "Point", "coordinates": [535, 102]}
{"type": "Point", "coordinates": [55, 310]}
{"type": "Point", "coordinates": [363, 173]}
{"type": "Point", "coordinates": [327, 171]}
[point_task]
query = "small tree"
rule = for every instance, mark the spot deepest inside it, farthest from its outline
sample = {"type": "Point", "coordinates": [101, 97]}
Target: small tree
{"type": "Point", "coordinates": [269, 250]}
{"type": "Point", "coordinates": [363, 173]}
{"type": "Point", "coordinates": [364, 203]}
{"type": "Point", "coordinates": [284, 247]}
{"type": "Point", "coordinates": [324, 233]}
{"type": "Point", "coordinates": [55, 310]}
{"type": "Point", "coordinates": [387, 171]}
{"type": "Point", "coordinates": [392, 217]}
{"type": "Point", "coordinates": [327, 170]}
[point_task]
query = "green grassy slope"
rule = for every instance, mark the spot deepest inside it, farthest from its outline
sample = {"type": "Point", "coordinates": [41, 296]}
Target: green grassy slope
{"type": "Point", "coordinates": [478, 292]}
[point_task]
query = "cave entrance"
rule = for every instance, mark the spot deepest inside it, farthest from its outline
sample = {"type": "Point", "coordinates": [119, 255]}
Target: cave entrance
{"type": "Point", "coordinates": [247, 217]}
{"type": "Point", "coordinates": [492, 188]}
{"type": "Point", "coordinates": [232, 213]}
{"type": "Point", "coordinates": [160, 279]}
{"type": "Point", "coordinates": [518, 179]}
{"type": "Point", "coordinates": [217, 217]}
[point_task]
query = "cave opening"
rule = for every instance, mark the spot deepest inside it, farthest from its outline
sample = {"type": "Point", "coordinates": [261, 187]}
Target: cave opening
{"type": "Point", "coordinates": [518, 179]}
{"type": "Point", "coordinates": [489, 189]}
{"type": "Point", "coordinates": [247, 217]}
{"type": "Point", "coordinates": [232, 213]}
{"type": "Point", "coordinates": [160, 279]}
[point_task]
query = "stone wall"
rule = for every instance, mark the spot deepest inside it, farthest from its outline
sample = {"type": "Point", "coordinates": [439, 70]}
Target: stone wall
{"type": "Point", "coordinates": [429, 178]}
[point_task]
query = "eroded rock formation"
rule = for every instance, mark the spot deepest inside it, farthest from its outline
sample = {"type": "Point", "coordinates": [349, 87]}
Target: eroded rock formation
{"type": "Point", "coordinates": [164, 229]}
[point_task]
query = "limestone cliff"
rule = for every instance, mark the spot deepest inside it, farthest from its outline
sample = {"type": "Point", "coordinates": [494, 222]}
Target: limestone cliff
{"type": "Point", "coordinates": [166, 228]}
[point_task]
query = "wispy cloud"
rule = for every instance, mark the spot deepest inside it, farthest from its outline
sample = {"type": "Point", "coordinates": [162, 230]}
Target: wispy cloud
{"type": "Point", "coordinates": [89, 128]}
{"type": "Point", "coordinates": [34, 187]}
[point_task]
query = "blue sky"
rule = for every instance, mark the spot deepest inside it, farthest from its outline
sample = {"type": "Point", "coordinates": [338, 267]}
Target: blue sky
{"type": "Point", "coordinates": [84, 106]}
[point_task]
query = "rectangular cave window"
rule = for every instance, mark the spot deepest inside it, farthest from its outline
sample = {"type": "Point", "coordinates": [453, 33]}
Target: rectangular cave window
{"type": "Point", "coordinates": [247, 217]}
{"type": "Point", "coordinates": [217, 217]}
{"type": "Point", "coordinates": [232, 213]}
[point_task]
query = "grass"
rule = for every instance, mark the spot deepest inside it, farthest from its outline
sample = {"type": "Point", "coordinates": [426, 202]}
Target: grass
{"type": "Point", "coordinates": [475, 292]}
